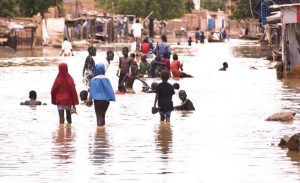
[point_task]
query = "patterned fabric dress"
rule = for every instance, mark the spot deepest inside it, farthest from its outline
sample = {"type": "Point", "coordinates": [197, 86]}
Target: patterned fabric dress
{"type": "Point", "coordinates": [88, 70]}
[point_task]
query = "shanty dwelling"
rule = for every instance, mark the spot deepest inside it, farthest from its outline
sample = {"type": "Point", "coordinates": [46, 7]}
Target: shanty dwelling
{"type": "Point", "coordinates": [17, 33]}
{"type": "Point", "coordinates": [290, 19]}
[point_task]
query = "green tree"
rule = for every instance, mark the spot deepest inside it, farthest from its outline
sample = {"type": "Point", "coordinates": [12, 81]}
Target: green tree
{"type": "Point", "coordinates": [213, 5]}
{"type": "Point", "coordinates": [243, 9]}
{"type": "Point", "coordinates": [32, 7]}
{"type": "Point", "coordinates": [189, 5]}
{"type": "Point", "coordinates": [9, 8]}
{"type": "Point", "coordinates": [162, 10]}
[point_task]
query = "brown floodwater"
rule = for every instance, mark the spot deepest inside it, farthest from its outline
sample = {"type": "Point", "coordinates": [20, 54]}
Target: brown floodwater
{"type": "Point", "coordinates": [225, 140]}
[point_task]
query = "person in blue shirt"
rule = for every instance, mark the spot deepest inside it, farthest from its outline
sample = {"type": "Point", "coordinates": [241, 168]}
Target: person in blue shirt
{"type": "Point", "coordinates": [197, 35]}
{"type": "Point", "coordinates": [162, 47]}
{"type": "Point", "coordinates": [101, 92]}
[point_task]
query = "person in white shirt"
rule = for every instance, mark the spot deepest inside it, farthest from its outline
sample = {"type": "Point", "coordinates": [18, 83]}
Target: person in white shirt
{"type": "Point", "coordinates": [66, 48]}
{"type": "Point", "coordinates": [136, 31]}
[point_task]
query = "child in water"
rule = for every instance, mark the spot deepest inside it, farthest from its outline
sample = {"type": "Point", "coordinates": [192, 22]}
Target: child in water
{"type": "Point", "coordinates": [190, 41]}
{"type": "Point", "coordinates": [147, 89]}
{"type": "Point", "coordinates": [89, 66]}
{"type": "Point", "coordinates": [177, 68]}
{"type": "Point", "coordinates": [124, 64]}
{"type": "Point", "coordinates": [186, 104]}
{"type": "Point", "coordinates": [176, 86]}
{"type": "Point", "coordinates": [144, 66]}
{"type": "Point", "coordinates": [84, 98]}
{"type": "Point", "coordinates": [32, 101]}
{"type": "Point", "coordinates": [164, 92]}
{"type": "Point", "coordinates": [132, 74]}
{"type": "Point", "coordinates": [225, 66]}
{"type": "Point", "coordinates": [63, 93]}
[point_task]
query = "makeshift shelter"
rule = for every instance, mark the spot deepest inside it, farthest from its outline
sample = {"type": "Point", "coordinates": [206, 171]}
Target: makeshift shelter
{"type": "Point", "coordinates": [290, 20]}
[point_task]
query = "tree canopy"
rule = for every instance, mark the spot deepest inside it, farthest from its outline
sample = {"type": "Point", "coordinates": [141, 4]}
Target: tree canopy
{"type": "Point", "coordinates": [162, 10]}
{"type": "Point", "coordinates": [27, 8]}
{"type": "Point", "coordinates": [213, 5]}
{"type": "Point", "coordinates": [243, 9]}
{"type": "Point", "coordinates": [8, 8]}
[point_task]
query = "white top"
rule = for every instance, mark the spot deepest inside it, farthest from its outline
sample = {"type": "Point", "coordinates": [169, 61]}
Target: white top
{"type": "Point", "coordinates": [133, 47]}
{"type": "Point", "coordinates": [100, 60]}
{"type": "Point", "coordinates": [66, 47]}
{"type": "Point", "coordinates": [137, 29]}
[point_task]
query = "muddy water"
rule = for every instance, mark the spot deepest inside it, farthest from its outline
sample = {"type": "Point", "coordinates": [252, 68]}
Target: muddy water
{"type": "Point", "coordinates": [225, 140]}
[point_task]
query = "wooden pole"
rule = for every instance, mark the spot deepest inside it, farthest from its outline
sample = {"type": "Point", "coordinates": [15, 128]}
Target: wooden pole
{"type": "Point", "coordinates": [147, 17]}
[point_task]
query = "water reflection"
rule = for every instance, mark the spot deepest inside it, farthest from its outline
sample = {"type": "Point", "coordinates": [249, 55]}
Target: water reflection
{"type": "Point", "coordinates": [164, 139]}
{"type": "Point", "coordinates": [64, 143]}
{"type": "Point", "coordinates": [185, 113]}
{"type": "Point", "coordinates": [15, 62]}
{"type": "Point", "coordinates": [292, 84]}
{"type": "Point", "coordinates": [7, 52]}
{"type": "Point", "coordinates": [294, 155]}
{"type": "Point", "coordinates": [99, 150]}
{"type": "Point", "coordinates": [253, 51]}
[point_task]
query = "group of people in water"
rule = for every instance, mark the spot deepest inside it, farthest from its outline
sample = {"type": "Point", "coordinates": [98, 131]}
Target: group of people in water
{"type": "Point", "coordinates": [99, 91]}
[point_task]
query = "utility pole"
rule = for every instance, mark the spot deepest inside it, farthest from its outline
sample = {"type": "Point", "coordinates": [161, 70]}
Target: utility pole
{"type": "Point", "coordinates": [115, 37]}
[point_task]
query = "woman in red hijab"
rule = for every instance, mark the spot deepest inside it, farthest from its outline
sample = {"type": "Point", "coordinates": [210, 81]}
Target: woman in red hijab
{"type": "Point", "coordinates": [63, 93]}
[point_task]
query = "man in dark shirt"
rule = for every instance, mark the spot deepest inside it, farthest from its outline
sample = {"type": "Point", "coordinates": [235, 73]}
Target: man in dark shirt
{"type": "Point", "coordinates": [186, 104]}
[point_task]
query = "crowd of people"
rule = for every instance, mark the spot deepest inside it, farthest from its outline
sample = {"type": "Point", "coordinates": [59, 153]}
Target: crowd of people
{"type": "Point", "coordinates": [99, 91]}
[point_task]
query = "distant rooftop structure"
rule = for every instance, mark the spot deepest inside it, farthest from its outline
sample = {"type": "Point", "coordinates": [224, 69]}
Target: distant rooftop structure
{"type": "Point", "coordinates": [285, 5]}
{"type": "Point", "coordinates": [89, 4]}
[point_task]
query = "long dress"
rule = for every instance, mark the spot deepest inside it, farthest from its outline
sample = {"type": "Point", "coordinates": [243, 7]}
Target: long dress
{"type": "Point", "coordinates": [63, 92]}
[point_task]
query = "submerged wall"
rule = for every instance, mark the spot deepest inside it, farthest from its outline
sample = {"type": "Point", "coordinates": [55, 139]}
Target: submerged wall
{"type": "Point", "coordinates": [291, 50]}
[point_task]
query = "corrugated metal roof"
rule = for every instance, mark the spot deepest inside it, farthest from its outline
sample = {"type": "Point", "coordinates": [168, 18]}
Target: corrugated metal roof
{"type": "Point", "coordinates": [276, 16]}
{"type": "Point", "coordinates": [285, 5]}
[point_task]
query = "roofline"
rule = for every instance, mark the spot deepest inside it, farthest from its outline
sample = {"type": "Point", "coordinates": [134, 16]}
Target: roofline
{"type": "Point", "coordinates": [284, 5]}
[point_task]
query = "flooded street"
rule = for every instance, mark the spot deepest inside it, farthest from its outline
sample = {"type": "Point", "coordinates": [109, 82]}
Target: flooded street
{"type": "Point", "coordinates": [225, 140]}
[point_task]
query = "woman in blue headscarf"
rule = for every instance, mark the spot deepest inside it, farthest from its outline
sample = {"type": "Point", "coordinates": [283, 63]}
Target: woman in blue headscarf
{"type": "Point", "coordinates": [101, 91]}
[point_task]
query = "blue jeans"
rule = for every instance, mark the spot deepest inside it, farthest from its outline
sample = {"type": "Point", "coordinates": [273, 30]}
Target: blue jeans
{"type": "Point", "coordinates": [165, 116]}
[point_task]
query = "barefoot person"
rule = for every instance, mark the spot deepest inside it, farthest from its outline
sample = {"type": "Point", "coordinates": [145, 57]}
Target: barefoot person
{"type": "Point", "coordinates": [164, 92]}
{"type": "Point", "coordinates": [177, 68]}
{"type": "Point", "coordinates": [63, 93]}
{"type": "Point", "coordinates": [162, 47]}
{"type": "Point", "coordinates": [66, 48]}
{"type": "Point", "coordinates": [89, 66]}
{"type": "Point", "coordinates": [136, 31]}
{"type": "Point", "coordinates": [124, 64]}
{"type": "Point", "coordinates": [101, 92]}
{"type": "Point", "coordinates": [144, 66]}
{"type": "Point", "coordinates": [225, 66]}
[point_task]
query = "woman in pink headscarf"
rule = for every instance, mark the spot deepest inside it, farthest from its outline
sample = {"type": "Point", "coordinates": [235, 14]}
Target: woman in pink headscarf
{"type": "Point", "coordinates": [63, 93]}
